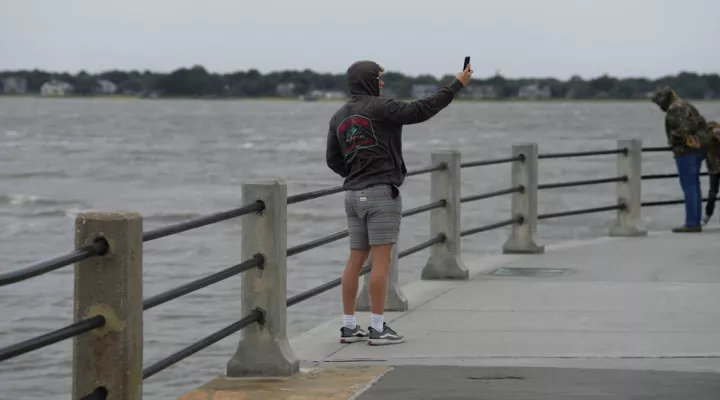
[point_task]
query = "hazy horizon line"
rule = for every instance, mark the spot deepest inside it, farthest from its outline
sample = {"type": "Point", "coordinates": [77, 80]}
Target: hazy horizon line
{"type": "Point", "coordinates": [268, 72]}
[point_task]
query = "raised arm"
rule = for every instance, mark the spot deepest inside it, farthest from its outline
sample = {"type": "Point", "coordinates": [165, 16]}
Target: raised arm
{"type": "Point", "coordinates": [406, 113]}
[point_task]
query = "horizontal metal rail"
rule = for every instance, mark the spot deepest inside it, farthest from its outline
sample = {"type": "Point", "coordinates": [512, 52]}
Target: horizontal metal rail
{"type": "Point", "coordinates": [657, 203]}
{"type": "Point", "coordinates": [317, 243]}
{"type": "Point", "coordinates": [516, 189]}
{"type": "Point", "coordinates": [440, 238]}
{"type": "Point", "coordinates": [495, 225]}
{"type": "Point", "coordinates": [100, 393]}
{"type": "Point", "coordinates": [300, 197]}
{"type": "Point", "coordinates": [425, 170]}
{"type": "Point", "coordinates": [256, 315]}
{"type": "Point", "coordinates": [582, 153]}
{"type": "Point", "coordinates": [657, 176]}
{"type": "Point", "coordinates": [664, 176]}
{"type": "Point", "coordinates": [655, 149]}
{"type": "Point", "coordinates": [53, 337]}
{"type": "Point", "coordinates": [297, 198]}
{"type": "Point", "coordinates": [340, 235]}
{"type": "Point", "coordinates": [422, 209]}
{"type": "Point", "coordinates": [481, 163]}
{"type": "Point", "coordinates": [310, 293]}
{"type": "Point", "coordinates": [580, 211]}
{"type": "Point", "coordinates": [209, 219]}
{"type": "Point", "coordinates": [258, 261]}
{"type": "Point", "coordinates": [661, 203]}
{"type": "Point", "coordinates": [98, 248]}
{"type": "Point", "coordinates": [343, 234]}
{"type": "Point", "coordinates": [584, 182]}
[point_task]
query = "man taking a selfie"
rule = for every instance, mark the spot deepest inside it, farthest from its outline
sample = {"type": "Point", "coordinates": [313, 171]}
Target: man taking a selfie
{"type": "Point", "coordinates": [364, 146]}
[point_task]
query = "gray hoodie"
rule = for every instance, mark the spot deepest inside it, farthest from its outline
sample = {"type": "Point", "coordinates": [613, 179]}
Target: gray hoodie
{"type": "Point", "coordinates": [364, 141]}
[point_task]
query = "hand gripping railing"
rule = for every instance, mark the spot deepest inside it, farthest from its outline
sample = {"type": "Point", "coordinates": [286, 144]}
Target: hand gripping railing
{"type": "Point", "coordinates": [109, 299]}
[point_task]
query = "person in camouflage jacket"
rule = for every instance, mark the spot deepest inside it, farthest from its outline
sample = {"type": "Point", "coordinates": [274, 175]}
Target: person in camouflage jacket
{"type": "Point", "coordinates": [713, 167]}
{"type": "Point", "coordinates": [686, 132]}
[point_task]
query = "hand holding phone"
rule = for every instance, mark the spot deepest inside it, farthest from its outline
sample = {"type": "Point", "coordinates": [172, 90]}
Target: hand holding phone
{"type": "Point", "coordinates": [465, 75]}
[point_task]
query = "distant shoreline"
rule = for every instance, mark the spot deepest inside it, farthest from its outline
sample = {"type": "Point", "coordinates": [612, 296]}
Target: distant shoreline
{"type": "Point", "coordinates": [295, 99]}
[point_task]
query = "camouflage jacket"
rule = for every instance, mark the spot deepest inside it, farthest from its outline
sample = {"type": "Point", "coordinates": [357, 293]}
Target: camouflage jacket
{"type": "Point", "coordinates": [685, 128]}
{"type": "Point", "coordinates": [713, 149]}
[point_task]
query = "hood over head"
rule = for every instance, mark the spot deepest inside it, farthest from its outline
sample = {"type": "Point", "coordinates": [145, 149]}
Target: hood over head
{"type": "Point", "coordinates": [664, 98]}
{"type": "Point", "coordinates": [363, 78]}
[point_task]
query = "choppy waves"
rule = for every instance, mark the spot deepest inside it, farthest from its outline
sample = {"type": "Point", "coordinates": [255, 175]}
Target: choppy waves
{"type": "Point", "coordinates": [33, 174]}
{"type": "Point", "coordinates": [33, 200]}
{"type": "Point", "coordinates": [33, 206]}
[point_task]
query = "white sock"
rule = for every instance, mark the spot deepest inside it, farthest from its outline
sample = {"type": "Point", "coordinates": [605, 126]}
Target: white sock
{"type": "Point", "coordinates": [376, 322]}
{"type": "Point", "coordinates": [349, 321]}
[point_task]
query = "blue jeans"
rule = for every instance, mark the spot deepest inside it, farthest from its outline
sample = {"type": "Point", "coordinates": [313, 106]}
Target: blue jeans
{"type": "Point", "coordinates": [688, 166]}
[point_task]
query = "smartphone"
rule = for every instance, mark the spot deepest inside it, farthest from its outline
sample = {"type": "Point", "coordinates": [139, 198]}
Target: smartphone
{"type": "Point", "coordinates": [467, 61]}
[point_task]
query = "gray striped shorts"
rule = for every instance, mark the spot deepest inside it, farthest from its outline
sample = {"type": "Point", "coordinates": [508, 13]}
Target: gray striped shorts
{"type": "Point", "coordinates": [373, 215]}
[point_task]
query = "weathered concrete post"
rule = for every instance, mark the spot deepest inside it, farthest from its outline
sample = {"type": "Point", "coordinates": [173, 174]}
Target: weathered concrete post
{"type": "Point", "coordinates": [111, 286]}
{"type": "Point", "coordinates": [629, 221]}
{"type": "Point", "coordinates": [524, 204]}
{"type": "Point", "coordinates": [445, 261]}
{"type": "Point", "coordinates": [395, 300]}
{"type": "Point", "coordinates": [264, 349]}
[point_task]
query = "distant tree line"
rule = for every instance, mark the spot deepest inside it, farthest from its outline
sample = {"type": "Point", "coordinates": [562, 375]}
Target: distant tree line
{"type": "Point", "coordinates": [198, 82]}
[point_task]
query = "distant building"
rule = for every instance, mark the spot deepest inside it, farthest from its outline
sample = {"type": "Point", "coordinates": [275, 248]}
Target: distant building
{"type": "Point", "coordinates": [105, 86]}
{"type": "Point", "coordinates": [479, 92]}
{"type": "Point", "coordinates": [334, 94]}
{"type": "Point", "coordinates": [55, 88]}
{"type": "Point", "coordinates": [285, 89]}
{"type": "Point", "coordinates": [420, 90]}
{"type": "Point", "coordinates": [326, 94]}
{"type": "Point", "coordinates": [14, 84]}
{"type": "Point", "coordinates": [534, 92]}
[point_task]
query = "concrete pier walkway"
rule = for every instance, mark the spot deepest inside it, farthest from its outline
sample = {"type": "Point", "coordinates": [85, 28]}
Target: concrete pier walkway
{"type": "Point", "coordinates": [611, 318]}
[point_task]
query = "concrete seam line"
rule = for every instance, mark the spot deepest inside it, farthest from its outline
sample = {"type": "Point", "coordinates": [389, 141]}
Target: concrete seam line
{"type": "Point", "coordinates": [371, 383]}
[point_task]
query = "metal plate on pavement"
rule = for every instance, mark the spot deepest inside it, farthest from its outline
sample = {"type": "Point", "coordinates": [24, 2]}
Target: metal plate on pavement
{"type": "Point", "coordinates": [531, 272]}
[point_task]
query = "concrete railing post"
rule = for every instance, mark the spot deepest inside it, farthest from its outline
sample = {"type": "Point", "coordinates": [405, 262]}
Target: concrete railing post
{"type": "Point", "coordinates": [445, 261]}
{"type": "Point", "coordinates": [395, 300]}
{"type": "Point", "coordinates": [628, 221]}
{"type": "Point", "coordinates": [524, 204]}
{"type": "Point", "coordinates": [264, 349]}
{"type": "Point", "coordinates": [110, 285]}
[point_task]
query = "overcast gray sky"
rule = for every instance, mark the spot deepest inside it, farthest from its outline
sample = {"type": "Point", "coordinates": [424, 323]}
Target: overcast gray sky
{"type": "Point", "coordinates": [516, 37]}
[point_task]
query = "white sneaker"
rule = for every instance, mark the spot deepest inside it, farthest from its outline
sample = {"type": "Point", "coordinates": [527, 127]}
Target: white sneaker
{"type": "Point", "coordinates": [705, 220]}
